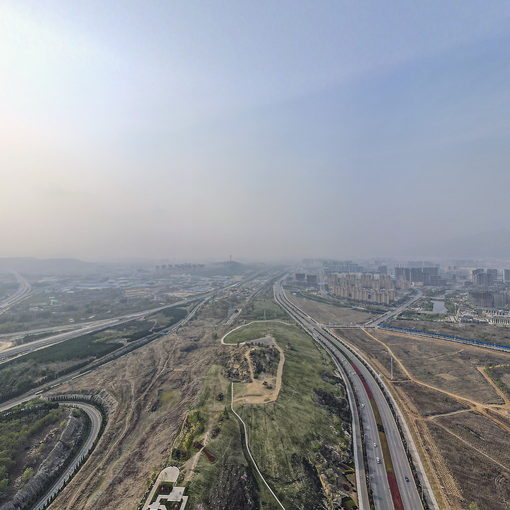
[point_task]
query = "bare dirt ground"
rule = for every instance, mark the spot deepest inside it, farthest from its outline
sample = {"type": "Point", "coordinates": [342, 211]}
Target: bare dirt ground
{"type": "Point", "coordinates": [377, 352]}
{"type": "Point", "coordinates": [478, 478]}
{"type": "Point", "coordinates": [330, 314]}
{"type": "Point", "coordinates": [458, 415]}
{"type": "Point", "coordinates": [427, 401]}
{"type": "Point", "coordinates": [480, 434]}
{"type": "Point", "coordinates": [486, 333]}
{"type": "Point", "coordinates": [5, 345]}
{"type": "Point", "coordinates": [139, 436]}
{"type": "Point", "coordinates": [266, 388]}
{"type": "Point", "coordinates": [446, 365]}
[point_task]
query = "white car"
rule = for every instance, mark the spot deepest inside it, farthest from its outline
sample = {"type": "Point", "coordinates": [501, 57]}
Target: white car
{"type": "Point", "coordinates": [378, 460]}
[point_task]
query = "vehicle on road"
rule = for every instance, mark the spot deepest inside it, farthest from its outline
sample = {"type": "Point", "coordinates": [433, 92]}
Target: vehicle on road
{"type": "Point", "coordinates": [375, 445]}
{"type": "Point", "coordinates": [378, 460]}
{"type": "Point", "coordinates": [406, 478]}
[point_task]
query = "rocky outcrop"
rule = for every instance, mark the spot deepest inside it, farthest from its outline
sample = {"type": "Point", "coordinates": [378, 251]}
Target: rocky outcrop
{"type": "Point", "coordinates": [64, 449]}
{"type": "Point", "coordinates": [235, 489]}
{"type": "Point", "coordinates": [334, 404]}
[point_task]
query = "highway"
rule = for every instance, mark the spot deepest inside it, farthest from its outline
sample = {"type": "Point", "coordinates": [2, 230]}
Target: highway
{"type": "Point", "coordinates": [91, 411]}
{"type": "Point", "coordinates": [100, 362]}
{"type": "Point", "coordinates": [19, 350]}
{"type": "Point", "coordinates": [23, 291]}
{"type": "Point", "coordinates": [357, 443]}
{"type": "Point", "coordinates": [92, 327]}
{"type": "Point", "coordinates": [115, 354]}
{"type": "Point", "coordinates": [236, 313]}
{"type": "Point", "coordinates": [363, 383]}
{"type": "Point", "coordinates": [95, 420]}
{"type": "Point", "coordinates": [50, 329]}
{"type": "Point", "coordinates": [373, 323]}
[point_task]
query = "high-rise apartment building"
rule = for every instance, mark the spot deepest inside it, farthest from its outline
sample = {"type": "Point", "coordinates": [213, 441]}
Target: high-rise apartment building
{"type": "Point", "coordinates": [479, 277]}
{"type": "Point", "coordinates": [492, 276]}
{"type": "Point", "coordinates": [364, 287]}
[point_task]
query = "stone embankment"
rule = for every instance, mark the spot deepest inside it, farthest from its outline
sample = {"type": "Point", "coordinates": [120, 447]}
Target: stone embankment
{"type": "Point", "coordinates": [55, 462]}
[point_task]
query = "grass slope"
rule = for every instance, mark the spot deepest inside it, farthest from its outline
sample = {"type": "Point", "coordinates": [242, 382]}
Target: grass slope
{"type": "Point", "coordinates": [285, 436]}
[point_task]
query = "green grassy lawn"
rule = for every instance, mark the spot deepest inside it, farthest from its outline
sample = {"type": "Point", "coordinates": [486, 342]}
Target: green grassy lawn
{"type": "Point", "coordinates": [254, 331]}
{"type": "Point", "coordinates": [211, 479]}
{"type": "Point", "coordinates": [285, 436]}
{"type": "Point", "coordinates": [262, 307]}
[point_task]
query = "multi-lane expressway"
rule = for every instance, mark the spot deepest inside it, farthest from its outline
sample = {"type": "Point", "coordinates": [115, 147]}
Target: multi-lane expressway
{"type": "Point", "coordinates": [92, 327]}
{"type": "Point", "coordinates": [18, 350]}
{"type": "Point", "coordinates": [373, 323]}
{"type": "Point", "coordinates": [92, 412]}
{"type": "Point", "coordinates": [4, 406]}
{"type": "Point", "coordinates": [23, 291]}
{"type": "Point", "coordinates": [200, 300]}
{"type": "Point", "coordinates": [390, 480]}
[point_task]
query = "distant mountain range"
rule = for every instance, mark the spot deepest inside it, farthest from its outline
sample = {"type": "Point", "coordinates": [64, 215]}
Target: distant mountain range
{"type": "Point", "coordinates": [62, 266]}
{"type": "Point", "coordinates": [32, 265]}
{"type": "Point", "coordinates": [484, 245]}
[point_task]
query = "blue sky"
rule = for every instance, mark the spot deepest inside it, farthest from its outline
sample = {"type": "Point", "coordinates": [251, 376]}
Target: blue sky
{"type": "Point", "coordinates": [261, 129]}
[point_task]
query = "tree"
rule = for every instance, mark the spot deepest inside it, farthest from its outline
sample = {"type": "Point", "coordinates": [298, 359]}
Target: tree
{"type": "Point", "coordinates": [29, 471]}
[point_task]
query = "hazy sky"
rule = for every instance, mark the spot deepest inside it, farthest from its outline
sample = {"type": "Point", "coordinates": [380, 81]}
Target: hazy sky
{"type": "Point", "coordinates": [252, 128]}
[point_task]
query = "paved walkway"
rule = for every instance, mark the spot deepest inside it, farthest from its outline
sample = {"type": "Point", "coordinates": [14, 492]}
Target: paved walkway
{"type": "Point", "coordinates": [248, 447]}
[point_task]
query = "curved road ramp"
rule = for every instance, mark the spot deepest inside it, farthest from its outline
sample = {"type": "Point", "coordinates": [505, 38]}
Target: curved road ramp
{"type": "Point", "coordinates": [59, 460]}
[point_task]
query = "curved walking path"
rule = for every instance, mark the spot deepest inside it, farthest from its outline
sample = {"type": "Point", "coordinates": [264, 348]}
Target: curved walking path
{"type": "Point", "coordinates": [247, 324]}
{"type": "Point", "coordinates": [279, 378]}
{"type": "Point", "coordinates": [248, 446]}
